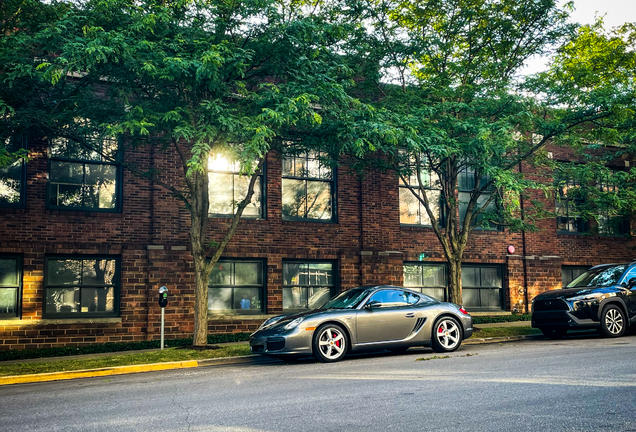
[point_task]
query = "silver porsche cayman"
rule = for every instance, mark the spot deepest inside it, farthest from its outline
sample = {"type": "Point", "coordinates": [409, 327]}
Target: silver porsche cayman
{"type": "Point", "coordinates": [364, 318]}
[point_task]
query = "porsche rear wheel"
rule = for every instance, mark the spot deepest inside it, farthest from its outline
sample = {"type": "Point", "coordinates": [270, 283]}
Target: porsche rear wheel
{"type": "Point", "coordinates": [330, 343]}
{"type": "Point", "coordinates": [447, 335]}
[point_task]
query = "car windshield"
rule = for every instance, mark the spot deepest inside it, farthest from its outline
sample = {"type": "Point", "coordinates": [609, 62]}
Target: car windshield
{"type": "Point", "coordinates": [348, 299]}
{"type": "Point", "coordinates": [602, 277]}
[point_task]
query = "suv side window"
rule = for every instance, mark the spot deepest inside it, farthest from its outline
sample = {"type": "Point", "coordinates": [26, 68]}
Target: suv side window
{"type": "Point", "coordinates": [631, 273]}
{"type": "Point", "coordinates": [391, 298]}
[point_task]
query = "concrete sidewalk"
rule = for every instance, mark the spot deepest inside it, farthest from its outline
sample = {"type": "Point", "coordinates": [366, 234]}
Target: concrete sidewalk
{"type": "Point", "coordinates": [249, 359]}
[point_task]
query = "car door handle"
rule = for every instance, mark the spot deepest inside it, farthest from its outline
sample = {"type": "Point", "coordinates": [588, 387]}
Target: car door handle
{"type": "Point", "coordinates": [410, 315]}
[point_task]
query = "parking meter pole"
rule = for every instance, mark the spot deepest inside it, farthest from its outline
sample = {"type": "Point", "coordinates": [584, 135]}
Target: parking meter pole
{"type": "Point", "coordinates": [163, 302]}
{"type": "Point", "coordinates": [163, 314]}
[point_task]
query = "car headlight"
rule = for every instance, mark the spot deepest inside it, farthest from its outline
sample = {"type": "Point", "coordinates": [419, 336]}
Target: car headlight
{"type": "Point", "coordinates": [294, 323]}
{"type": "Point", "coordinates": [270, 322]}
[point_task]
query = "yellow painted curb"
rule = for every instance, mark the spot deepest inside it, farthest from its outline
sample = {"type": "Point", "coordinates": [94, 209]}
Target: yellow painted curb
{"type": "Point", "coordinates": [88, 373]}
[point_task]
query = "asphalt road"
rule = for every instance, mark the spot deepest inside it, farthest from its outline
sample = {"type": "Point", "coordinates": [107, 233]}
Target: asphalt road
{"type": "Point", "coordinates": [578, 384]}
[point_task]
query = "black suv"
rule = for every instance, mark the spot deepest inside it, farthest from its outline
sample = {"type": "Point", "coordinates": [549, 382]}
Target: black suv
{"type": "Point", "coordinates": [604, 297]}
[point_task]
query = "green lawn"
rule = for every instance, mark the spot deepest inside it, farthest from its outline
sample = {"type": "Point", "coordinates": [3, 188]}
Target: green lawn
{"type": "Point", "coordinates": [167, 355]}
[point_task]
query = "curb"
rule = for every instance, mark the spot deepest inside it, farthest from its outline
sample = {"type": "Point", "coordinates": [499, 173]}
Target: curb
{"type": "Point", "coordinates": [249, 359]}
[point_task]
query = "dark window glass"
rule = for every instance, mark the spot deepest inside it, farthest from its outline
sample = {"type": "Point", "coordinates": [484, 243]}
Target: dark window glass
{"type": "Point", "coordinates": [10, 281]}
{"type": "Point", "coordinates": [569, 196]}
{"type": "Point", "coordinates": [228, 187]}
{"type": "Point", "coordinates": [83, 286]}
{"type": "Point", "coordinates": [599, 277]}
{"type": "Point", "coordinates": [307, 285]}
{"type": "Point", "coordinates": [236, 287]}
{"type": "Point", "coordinates": [466, 183]}
{"type": "Point", "coordinates": [482, 287]}
{"type": "Point", "coordinates": [308, 188]}
{"type": "Point", "coordinates": [12, 175]}
{"type": "Point", "coordinates": [82, 178]}
{"type": "Point", "coordinates": [429, 279]}
{"type": "Point", "coordinates": [569, 273]}
{"type": "Point", "coordinates": [392, 298]}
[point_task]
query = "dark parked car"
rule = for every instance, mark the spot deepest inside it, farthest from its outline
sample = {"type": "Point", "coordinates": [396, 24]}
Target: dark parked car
{"type": "Point", "coordinates": [364, 318]}
{"type": "Point", "coordinates": [604, 298]}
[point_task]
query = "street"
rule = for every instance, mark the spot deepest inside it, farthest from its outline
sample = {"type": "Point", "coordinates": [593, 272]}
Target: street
{"type": "Point", "coordinates": [584, 383]}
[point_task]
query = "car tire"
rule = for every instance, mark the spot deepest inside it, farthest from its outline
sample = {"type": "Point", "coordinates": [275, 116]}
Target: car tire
{"type": "Point", "coordinates": [330, 343]}
{"type": "Point", "coordinates": [554, 334]}
{"type": "Point", "coordinates": [447, 335]}
{"type": "Point", "coordinates": [613, 321]}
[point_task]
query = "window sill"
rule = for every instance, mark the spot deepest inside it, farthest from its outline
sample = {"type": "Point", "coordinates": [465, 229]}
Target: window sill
{"type": "Point", "coordinates": [216, 317]}
{"type": "Point", "coordinates": [85, 213]}
{"type": "Point", "coordinates": [49, 321]}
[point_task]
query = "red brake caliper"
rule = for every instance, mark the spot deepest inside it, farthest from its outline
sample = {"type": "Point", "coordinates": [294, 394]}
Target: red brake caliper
{"type": "Point", "coordinates": [440, 330]}
{"type": "Point", "coordinates": [337, 342]}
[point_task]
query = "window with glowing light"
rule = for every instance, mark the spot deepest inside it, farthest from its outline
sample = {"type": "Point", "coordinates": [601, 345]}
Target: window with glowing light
{"type": "Point", "coordinates": [227, 187]}
{"type": "Point", "coordinates": [308, 188]}
{"type": "Point", "coordinates": [12, 175]}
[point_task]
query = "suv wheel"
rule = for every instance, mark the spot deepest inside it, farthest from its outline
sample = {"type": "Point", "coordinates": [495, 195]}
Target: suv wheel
{"type": "Point", "coordinates": [613, 322]}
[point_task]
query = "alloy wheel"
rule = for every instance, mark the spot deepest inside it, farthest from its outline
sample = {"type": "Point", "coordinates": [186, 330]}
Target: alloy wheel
{"type": "Point", "coordinates": [332, 343]}
{"type": "Point", "coordinates": [614, 321]}
{"type": "Point", "coordinates": [448, 334]}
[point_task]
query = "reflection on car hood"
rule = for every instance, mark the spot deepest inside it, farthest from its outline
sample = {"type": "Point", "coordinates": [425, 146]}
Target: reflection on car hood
{"type": "Point", "coordinates": [572, 292]}
{"type": "Point", "coordinates": [290, 317]}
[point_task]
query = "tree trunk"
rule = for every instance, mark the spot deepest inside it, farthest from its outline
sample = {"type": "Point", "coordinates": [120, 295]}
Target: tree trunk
{"type": "Point", "coordinates": [202, 270]}
{"type": "Point", "coordinates": [455, 280]}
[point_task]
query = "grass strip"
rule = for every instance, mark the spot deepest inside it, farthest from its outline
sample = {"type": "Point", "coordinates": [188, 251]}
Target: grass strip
{"type": "Point", "coordinates": [167, 355]}
{"type": "Point", "coordinates": [504, 331]}
{"type": "Point", "coordinates": [502, 318]}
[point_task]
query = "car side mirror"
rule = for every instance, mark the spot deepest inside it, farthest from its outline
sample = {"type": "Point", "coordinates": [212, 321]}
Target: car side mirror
{"type": "Point", "coordinates": [373, 304]}
{"type": "Point", "coordinates": [631, 283]}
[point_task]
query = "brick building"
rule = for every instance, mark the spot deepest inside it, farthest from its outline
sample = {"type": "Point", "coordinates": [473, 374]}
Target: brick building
{"type": "Point", "coordinates": [84, 246]}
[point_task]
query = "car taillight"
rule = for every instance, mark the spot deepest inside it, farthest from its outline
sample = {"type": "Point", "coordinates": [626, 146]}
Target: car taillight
{"type": "Point", "coordinates": [462, 310]}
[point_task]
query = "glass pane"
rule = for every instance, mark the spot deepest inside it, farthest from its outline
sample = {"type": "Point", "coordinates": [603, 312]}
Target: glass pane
{"type": "Point", "coordinates": [318, 200]}
{"type": "Point", "coordinates": [463, 199]}
{"type": "Point", "coordinates": [98, 272]}
{"type": "Point", "coordinates": [292, 272]}
{"type": "Point", "coordinates": [98, 299]}
{"type": "Point", "coordinates": [67, 195]}
{"type": "Point", "coordinates": [434, 276]}
{"type": "Point", "coordinates": [221, 163]}
{"type": "Point", "coordinates": [470, 277]}
{"type": "Point", "coordinates": [91, 196]}
{"type": "Point", "coordinates": [67, 172]}
{"type": "Point", "coordinates": [58, 147]}
{"type": "Point", "coordinates": [221, 193]}
{"type": "Point", "coordinates": [294, 298]}
{"type": "Point", "coordinates": [470, 297]}
{"type": "Point", "coordinates": [321, 274]}
{"type": "Point", "coordinates": [10, 182]}
{"type": "Point", "coordinates": [390, 297]}
{"type": "Point", "coordinates": [412, 275]}
{"type": "Point", "coordinates": [247, 298]}
{"type": "Point", "coordinates": [409, 207]}
{"type": "Point", "coordinates": [8, 301]}
{"type": "Point", "coordinates": [300, 166]}
{"type": "Point", "coordinates": [62, 300]}
{"type": "Point", "coordinates": [76, 151]}
{"type": "Point", "coordinates": [8, 272]}
{"type": "Point", "coordinates": [248, 273]}
{"type": "Point", "coordinates": [294, 198]}
{"type": "Point", "coordinates": [318, 297]}
{"type": "Point", "coordinates": [64, 272]}
{"type": "Point", "coordinates": [412, 298]}
{"type": "Point", "coordinates": [220, 298]}
{"type": "Point", "coordinates": [433, 197]}
{"type": "Point", "coordinates": [108, 191]}
{"type": "Point", "coordinates": [437, 293]}
{"type": "Point", "coordinates": [110, 146]}
{"type": "Point", "coordinates": [288, 166]}
{"type": "Point", "coordinates": [491, 298]}
{"type": "Point", "coordinates": [490, 277]}
{"type": "Point", "coordinates": [222, 274]}
{"type": "Point", "coordinates": [241, 183]}
{"type": "Point", "coordinates": [313, 168]}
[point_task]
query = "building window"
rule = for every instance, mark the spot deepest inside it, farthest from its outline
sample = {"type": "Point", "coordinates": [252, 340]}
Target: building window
{"type": "Point", "coordinates": [427, 278]}
{"type": "Point", "coordinates": [12, 175]}
{"type": "Point", "coordinates": [81, 287]}
{"type": "Point", "coordinates": [236, 287]}
{"type": "Point", "coordinates": [482, 287]}
{"type": "Point", "coordinates": [569, 273]}
{"type": "Point", "coordinates": [83, 179]}
{"type": "Point", "coordinates": [608, 224]}
{"type": "Point", "coordinates": [228, 187]}
{"type": "Point", "coordinates": [308, 188]}
{"type": "Point", "coordinates": [412, 211]}
{"type": "Point", "coordinates": [569, 196]}
{"type": "Point", "coordinates": [10, 284]}
{"type": "Point", "coordinates": [466, 184]}
{"type": "Point", "coordinates": [307, 285]}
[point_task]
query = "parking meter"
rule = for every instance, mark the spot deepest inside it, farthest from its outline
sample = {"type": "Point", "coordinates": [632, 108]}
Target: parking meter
{"type": "Point", "coordinates": [163, 302]}
{"type": "Point", "coordinates": [163, 297]}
